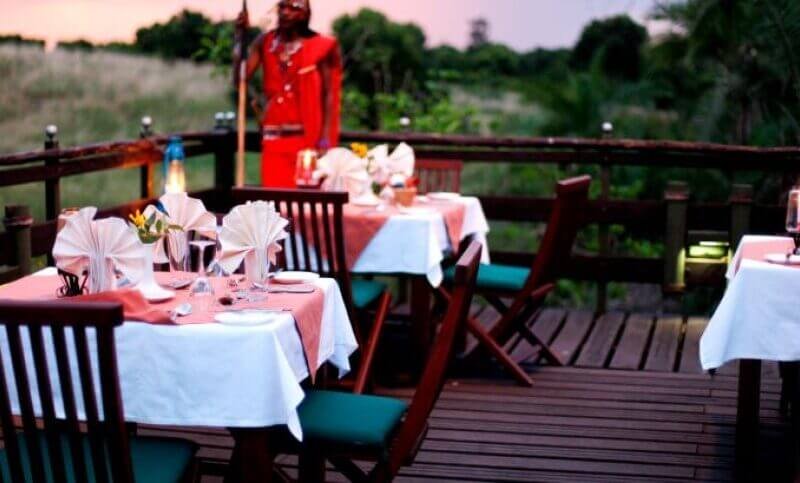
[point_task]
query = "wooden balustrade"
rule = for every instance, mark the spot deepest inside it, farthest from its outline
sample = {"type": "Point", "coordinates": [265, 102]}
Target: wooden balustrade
{"type": "Point", "coordinates": [668, 219]}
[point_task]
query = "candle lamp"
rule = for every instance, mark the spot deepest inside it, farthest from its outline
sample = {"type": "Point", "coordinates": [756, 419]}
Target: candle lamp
{"type": "Point", "coordinates": [793, 217]}
{"type": "Point", "coordinates": [306, 165]}
{"type": "Point", "coordinates": [174, 166]}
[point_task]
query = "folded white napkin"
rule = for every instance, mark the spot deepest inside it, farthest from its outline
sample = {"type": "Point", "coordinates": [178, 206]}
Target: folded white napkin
{"type": "Point", "coordinates": [400, 162]}
{"type": "Point", "coordinates": [255, 227]}
{"type": "Point", "coordinates": [99, 246]}
{"type": "Point", "coordinates": [342, 170]}
{"type": "Point", "coordinates": [190, 213]}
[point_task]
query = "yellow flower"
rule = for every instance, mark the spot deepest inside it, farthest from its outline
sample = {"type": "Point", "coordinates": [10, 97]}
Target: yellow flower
{"type": "Point", "coordinates": [138, 219]}
{"type": "Point", "coordinates": [360, 149]}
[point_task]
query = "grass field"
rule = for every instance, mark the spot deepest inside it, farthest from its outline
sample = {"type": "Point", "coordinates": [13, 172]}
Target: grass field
{"type": "Point", "coordinates": [98, 96]}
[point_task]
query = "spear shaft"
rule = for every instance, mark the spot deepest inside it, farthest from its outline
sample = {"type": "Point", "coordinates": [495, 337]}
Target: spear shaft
{"type": "Point", "coordinates": [241, 118]}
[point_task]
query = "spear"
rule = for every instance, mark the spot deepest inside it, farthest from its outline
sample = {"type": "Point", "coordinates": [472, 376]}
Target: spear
{"type": "Point", "coordinates": [242, 115]}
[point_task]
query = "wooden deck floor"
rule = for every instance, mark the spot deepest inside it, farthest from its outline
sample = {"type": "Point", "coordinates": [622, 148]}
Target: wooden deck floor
{"type": "Point", "coordinates": [636, 408]}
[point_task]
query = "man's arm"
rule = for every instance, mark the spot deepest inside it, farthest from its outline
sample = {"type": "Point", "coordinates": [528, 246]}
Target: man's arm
{"type": "Point", "coordinates": [253, 59]}
{"type": "Point", "coordinates": [326, 74]}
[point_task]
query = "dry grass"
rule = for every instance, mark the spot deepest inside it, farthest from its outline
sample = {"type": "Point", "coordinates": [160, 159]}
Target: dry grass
{"type": "Point", "coordinates": [94, 97]}
{"type": "Point", "coordinates": [99, 96]}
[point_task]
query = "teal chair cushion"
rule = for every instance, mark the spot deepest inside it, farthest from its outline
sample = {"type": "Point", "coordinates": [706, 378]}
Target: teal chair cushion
{"type": "Point", "coordinates": [155, 460]}
{"type": "Point", "coordinates": [365, 292]}
{"type": "Point", "coordinates": [350, 419]}
{"type": "Point", "coordinates": [504, 278]}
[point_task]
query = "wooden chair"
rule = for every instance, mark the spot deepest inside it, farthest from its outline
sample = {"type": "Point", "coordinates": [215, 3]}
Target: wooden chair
{"type": "Point", "coordinates": [322, 234]}
{"type": "Point", "coordinates": [528, 287]}
{"type": "Point", "coordinates": [342, 427]}
{"type": "Point", "coordinates": [65, 449]}
{"type": "Point", "coordinates": [439, 175]}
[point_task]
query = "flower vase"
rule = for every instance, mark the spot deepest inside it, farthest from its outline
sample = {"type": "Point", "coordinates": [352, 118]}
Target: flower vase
{"type": "Point", "coordinates": [147, 285]}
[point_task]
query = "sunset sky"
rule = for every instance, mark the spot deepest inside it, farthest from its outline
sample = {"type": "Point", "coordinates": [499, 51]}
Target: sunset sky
{"type": "Point", "coordinates": [523, 24]}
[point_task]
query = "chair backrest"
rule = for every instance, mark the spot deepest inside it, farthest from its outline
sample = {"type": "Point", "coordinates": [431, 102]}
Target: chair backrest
{"type": "Point", "coordinates": [439, 175]}
{"type": "Point", "coordinates": [566, 218]}
{"type": "Point", "coordinates": [432, 381]}
{"type": "Point", "coordinates": [61, 440]}
{"type": "Point", "coordinates": [316, 243]}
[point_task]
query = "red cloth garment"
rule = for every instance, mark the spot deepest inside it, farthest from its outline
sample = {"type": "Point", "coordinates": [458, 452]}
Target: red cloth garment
{"type": "Point", "coordinates": [294, 97]}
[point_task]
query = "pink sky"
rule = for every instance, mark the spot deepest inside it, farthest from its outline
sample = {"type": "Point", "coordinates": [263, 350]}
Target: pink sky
{"type": "Point", "coordinates": [522, 24]}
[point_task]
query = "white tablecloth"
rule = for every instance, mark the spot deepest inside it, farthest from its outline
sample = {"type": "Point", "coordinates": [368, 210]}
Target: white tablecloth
{"type": "Point", "coordinates": [217, 375]}
{"type": "Point", "coordinates": [415, 243]}
{"type": "Point", "coordinates": [758, 317]}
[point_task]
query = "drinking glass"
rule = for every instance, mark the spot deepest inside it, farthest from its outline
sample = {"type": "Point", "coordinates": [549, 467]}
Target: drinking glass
{"type": "Point", "coordinates": [256, 269]}
{"type": "Point", "coordinates": [201, 290]}
{"type": "Point", "coordinates": [177, 244]}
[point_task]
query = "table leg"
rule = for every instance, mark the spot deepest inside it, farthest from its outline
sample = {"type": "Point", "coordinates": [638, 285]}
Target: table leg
{"type": "Point", "coordinates": [312, 465]}
{"type": "Point", "coordinates": [421, 319]}
{"type": "Point", "coordinates": [747, 419]}
{"type": "Point", "coordinates": [253, 457]}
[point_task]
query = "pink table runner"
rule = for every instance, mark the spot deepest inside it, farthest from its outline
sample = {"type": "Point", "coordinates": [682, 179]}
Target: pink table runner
{"type": "Point", "coordinates": [306, 308]}
{"type": "Point", "coordinates": [757, 250]}
{"type": "Point", "coordinates": [361, 224]}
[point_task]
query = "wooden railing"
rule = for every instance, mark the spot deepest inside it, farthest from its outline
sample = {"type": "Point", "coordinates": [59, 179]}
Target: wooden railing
{"type": "Point", "coordinates": [671, 218]}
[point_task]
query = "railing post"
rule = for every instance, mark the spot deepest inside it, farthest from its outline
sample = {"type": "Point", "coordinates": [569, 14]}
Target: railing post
{"type": "Point", "coordinates": [52, 186]}
{"type": "Point", "coordinates": [741, 206]}
{"type": "Point", "coordinates": [146, 172]}
{"type": "Point", "coordinates": [603, 237]}
{"type": "Point", "coordinates": [18, 222]}
{"type": "Point", "coordinates": [676, 198]}
{"type": "Point", "coordinates": [224, 151]}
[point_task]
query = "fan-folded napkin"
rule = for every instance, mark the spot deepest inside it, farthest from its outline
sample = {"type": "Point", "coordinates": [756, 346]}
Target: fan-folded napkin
{"type": "Point", "coordinates": [255, 227]}
{"type": "Point", "coordinates": [99, 247]}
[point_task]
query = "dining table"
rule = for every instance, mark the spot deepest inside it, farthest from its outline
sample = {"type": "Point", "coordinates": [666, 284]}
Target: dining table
{"type": "Point", "coordinates": [413, 242]}
{"type": "Point", "coordinates": [202, 373]}
{"type": "Point", "coordinates": [756, 320]}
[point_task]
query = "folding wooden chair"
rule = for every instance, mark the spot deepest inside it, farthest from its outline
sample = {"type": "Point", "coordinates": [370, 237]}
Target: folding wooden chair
{"type": "Point", "coordinates": [317, 245]}
{"type": "Point", "coordinates": [528, 287]}
{"type": "Point", "coordinates": [439, 175]}
{"type": "Point", "coordinates": [342, 427]}
{"type": "Point", "coordinates": [52, 448]}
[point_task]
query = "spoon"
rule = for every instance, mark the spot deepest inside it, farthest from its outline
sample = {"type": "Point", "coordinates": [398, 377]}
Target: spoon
{"type": "Point", "coordinates": [181, 310]}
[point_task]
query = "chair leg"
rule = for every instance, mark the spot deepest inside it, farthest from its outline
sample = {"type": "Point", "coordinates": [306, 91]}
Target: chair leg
{"type": "Point", "coordinates": [371, 345]}
{"type": "Point", "coordinates": [348, 469]}
{"type": "Point", "coordinates": [494, 349]}
{"type": "Point", "coordinates": [534, 340]}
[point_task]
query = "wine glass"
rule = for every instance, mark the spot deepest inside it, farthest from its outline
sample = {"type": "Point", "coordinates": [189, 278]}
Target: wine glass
{"type": "Point", "coordinates": [792, 217]}
{"type": "Point", "coordinates": [201, 289]}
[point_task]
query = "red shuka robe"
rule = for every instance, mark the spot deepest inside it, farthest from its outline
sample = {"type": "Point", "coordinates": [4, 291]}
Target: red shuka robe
{"type": "Point", "coordinates": [294, 97]}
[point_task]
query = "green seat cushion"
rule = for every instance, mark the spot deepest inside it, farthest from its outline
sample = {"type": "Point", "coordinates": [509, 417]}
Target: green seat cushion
{"type": "Point", "coordinates": [350, 419]}
{"type": "Point", "coordinates": [497, 277]}
{"type": "Point", "coordinates": [156, 460]}
{"type": "Point", "coordinates": [365, 292]}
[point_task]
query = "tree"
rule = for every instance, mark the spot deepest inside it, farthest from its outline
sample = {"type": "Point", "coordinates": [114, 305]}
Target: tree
{"type": "Point", "coordinates": [493, 60]}
{"type": "Point", "coordinates": [478, 32]}
{"type": "Point", "coordinates": [748, 51]}
{"type": "Point", "coordinates": [618, 41]}
{"type": "Point", "coordinates": [381, 56]}
{"type": "Point", "coordinates": [180, 38]}
{"type": "Point", "coordinates": [80, 44]}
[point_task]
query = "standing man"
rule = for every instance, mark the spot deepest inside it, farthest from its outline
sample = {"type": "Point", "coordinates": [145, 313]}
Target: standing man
{"type": "Point", "coordinates": [302, 86]}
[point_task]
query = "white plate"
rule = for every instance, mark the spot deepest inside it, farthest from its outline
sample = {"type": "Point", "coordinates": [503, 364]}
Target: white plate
{"type": "Point", "coordinates": [157, 294]}
{"type": "Point", "coordinates": [781, 259]}
{"type": "Point", "coordinates": [444, 196]}
{"type": "Point", "coordinates": [416, 211]}
{"type": "Point", "coordinates": [367, 202]}
{"type": "Point", "coordinates": [246, 318]}
{"type": "Point", "coordinates": [290, 278]}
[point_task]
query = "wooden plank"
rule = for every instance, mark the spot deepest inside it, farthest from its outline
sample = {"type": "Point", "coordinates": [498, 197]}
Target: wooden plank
{"type": "Point", "coordinates": [664, 347]}
{"type": "Point", "coordinates": [545, 326]}
{"type": "Point", "coordinates": [598, 347]}
{"type": "Point", "coordinates": [690, 355]}
{"type": "Point", "coordinates": [629, 351]}
{"type": "Point", "coordinates": [572, 335]}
